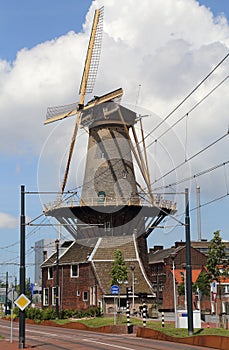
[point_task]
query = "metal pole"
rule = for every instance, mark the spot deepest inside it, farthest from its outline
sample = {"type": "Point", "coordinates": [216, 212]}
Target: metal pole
{"type": "Point", "coordinates": [57, 278]}
{"type": "Point", "coordinates": [22, 269]}
{"type": "Point", "coordinates": [6, 295]}
{"type": "Point", "coordinates": [132, 269]}
{"type": "Point", "coordinates": [115, 307]}
{"type": "Point", "coordinates": [198, 212]}
{"type": "Point", "coordinates": [188, 265]}
{"type": "Point", "coordinates": [174, 293]}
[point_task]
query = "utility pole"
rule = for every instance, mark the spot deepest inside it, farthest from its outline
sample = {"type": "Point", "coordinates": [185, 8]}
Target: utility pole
{"type": "Point", "coordinates": [188, 265]}
{"type": "Point", "coordinates": [6, 295]}
{"type": "Point", "coordinates": [174, 290]}
{"type": "Point", "coordinates": [57, 278]}
{"type": "Point", "coordinates": [22, 269]}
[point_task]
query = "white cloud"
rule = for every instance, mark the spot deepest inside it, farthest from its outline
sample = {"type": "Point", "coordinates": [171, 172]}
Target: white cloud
{"type": "Point", "coordinates": [166, 46]}
{"type": "Point", "coordinates": [7, 221]}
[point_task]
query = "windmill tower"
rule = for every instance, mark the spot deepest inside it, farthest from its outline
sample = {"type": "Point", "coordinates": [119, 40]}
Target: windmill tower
{"type": "Point", "coordinates": [112, 203]}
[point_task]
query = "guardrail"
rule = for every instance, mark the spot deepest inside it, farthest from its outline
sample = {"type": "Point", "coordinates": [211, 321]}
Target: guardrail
{"type": "Point", "coordinates": [91, 202]}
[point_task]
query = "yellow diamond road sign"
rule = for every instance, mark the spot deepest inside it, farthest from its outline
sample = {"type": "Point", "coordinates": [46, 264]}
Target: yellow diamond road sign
{"type": "Point", "coordinates": [22, 302]}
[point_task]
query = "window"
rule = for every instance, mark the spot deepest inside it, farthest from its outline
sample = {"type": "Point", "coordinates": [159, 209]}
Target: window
{"type": "Point", "coordinates": [93, 295]}
{"type": "Point", "coordinates": [124, 174]}
{"type": "Point", "coordinates": [54, 296]}
{"type": "Point", "coordinates": [78, 293]}
{"type": "Point", "coordinates": [85, 296]}
{"type": "Point", "coordinates": [107, 226]}
{"type": "Point", "coordinates": [50, 273]}
{"type": "Point", "coordinates": [74, 270]}
{"type": "Point", "coordinates": [45, 296]}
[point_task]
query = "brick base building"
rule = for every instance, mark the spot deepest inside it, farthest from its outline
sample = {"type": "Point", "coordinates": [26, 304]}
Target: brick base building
{"type": "Point", "coordinates": [85, 274]}
{"type": "Point", "coordinates": [162, 261]}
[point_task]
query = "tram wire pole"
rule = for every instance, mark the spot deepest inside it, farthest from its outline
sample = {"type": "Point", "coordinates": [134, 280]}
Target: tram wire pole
{"type": "Point", "coordinates": [22, 269]}
{"type": "Point", "coordinates": [188, 265]}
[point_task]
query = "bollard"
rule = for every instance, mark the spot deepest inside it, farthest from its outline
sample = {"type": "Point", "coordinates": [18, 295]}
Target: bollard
{"type": "Point", "coordinates": [144, 314]}
{"type": "Point", "coordinates": [129, 327]}
{"type": "Point", "coordinates": [162, 319]}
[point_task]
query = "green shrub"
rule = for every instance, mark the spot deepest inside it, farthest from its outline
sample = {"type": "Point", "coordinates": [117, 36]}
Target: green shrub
{"type": "Point", "coordinates": [50, 313]}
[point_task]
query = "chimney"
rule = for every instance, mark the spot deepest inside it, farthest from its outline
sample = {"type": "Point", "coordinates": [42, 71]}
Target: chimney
{"type": "Point", "coordinates": [45, 255]}
{"type": "Point", "coordinates": [180, 244]}
{"type": "Point", "coordinates": [156, 248]}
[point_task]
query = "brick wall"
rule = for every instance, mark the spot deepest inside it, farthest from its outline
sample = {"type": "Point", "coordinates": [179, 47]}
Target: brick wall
{"type": "Point", "coordinates": [73, 290]}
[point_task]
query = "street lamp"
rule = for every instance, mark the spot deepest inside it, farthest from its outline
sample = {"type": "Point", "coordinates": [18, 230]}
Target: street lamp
{"type": "Point", "coordinates": [132, 269]}
{"type": "Point", "coordinates": [57, 277]}
{"type": "Point", "coordinates": [174, 290]}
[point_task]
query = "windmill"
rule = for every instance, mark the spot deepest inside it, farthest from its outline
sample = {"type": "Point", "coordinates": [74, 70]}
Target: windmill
{"type": "Point", "coordinates": [112, 202]}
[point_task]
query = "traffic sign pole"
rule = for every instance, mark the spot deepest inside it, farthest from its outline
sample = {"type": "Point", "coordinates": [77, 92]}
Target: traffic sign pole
{"type": "Point", "coordinates": [115, 291]}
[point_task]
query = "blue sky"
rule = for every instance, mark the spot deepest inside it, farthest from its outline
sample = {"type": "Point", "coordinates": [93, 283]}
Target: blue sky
{"type": "Point", "coordinates": [33, 33]}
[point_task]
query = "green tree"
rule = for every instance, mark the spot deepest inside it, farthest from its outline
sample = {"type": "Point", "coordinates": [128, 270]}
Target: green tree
{"type": "Point", "coordinates": [203, 283]}
{"type": "Point", "coordinates": [216, 257]}
{"type": "Point", "coordinates": [119, 273]}
{"type": "Point", "coordinates": [27, 288]}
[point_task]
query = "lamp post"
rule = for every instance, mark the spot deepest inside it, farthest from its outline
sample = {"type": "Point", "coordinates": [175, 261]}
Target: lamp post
{"type": "Point", "coordinates": [188, 265]}
{"type": "Point", "coordinates": [132, 269]}
{"type": "Point", "coordinates": [6, 295]}
{"type": "Point", "coordinates": [57, 278]}
{"type": "Point", "coordinates": [174, 290]}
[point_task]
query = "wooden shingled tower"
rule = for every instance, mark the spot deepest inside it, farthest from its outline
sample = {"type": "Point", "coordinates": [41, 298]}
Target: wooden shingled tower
{"type": "Point", "coordinates": [112, 203]}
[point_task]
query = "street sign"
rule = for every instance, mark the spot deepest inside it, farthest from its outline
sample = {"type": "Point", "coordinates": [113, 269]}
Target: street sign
{"type": "Point", "coordinates": [115, 290]}
{"type": "Point", "coordinates": [22, 301]}
{"type": "Point", "coordinates": [12, 295]}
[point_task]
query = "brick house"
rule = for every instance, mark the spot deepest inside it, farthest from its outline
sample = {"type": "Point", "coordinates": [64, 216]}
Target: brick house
{"type": "Point", "coordinates": [85, 274]}
{"type": "Point", "coordinates": [78, 287]}
{"type": "Point", "coordinates": [161, 266]}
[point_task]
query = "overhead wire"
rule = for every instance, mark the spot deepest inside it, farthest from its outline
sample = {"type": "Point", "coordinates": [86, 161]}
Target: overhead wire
{"type": "Point", "coordinates": [203, 172]}
{"type": "Point", "coordinates": [187, 113]}
{"type": "Point", "coordinates": [192, 157]}
{"type": "Point", "coordinates": [187, 97]}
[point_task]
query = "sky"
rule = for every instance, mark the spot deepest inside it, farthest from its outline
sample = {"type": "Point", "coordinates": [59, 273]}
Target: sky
{"type": "Point", "coordinates": [158, 52]}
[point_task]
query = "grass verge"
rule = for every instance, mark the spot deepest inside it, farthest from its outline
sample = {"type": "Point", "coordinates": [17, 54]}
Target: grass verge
{"type": "Point", "coordinates": [169, 328]}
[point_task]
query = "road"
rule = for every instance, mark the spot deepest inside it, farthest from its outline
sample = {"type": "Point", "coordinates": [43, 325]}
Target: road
{"type": "Point", "coordinates": [54, 338]}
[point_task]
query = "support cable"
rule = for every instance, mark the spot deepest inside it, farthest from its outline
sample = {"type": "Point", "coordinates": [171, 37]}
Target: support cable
{"type": "Point", "coordinates": [187, 113]}
{"type": "Point", "coordinates": [193, 156]}
{"type": "Point", "coordinates": [185, 99]}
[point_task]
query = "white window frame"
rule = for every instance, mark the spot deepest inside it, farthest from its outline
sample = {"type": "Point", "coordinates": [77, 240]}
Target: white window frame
{"type": "Point", "coordinates": [71, 274]}
{"type": "Point", "coordinates": [93, 295]}
{"type": "Point", "coordinates": [78, 293]}
{"type": "Point", "coordinates": [54, 296]}
{"type": "Point", "coordinates": [45, 296]}
{"type": "Point", "coordinates": [85, 292]}
{"type": "Point", "coordinates": [50, 276]}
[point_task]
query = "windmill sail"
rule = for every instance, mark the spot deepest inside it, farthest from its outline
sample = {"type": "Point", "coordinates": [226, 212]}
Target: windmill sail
{"type": "Point", "coordinates": [89, 74]}
{"type": "Point", "coordinates": [93, 55]}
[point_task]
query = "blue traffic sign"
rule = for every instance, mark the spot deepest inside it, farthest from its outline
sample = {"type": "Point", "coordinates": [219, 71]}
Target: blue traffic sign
{"type": "Point", "coordinates": [115, 289]}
